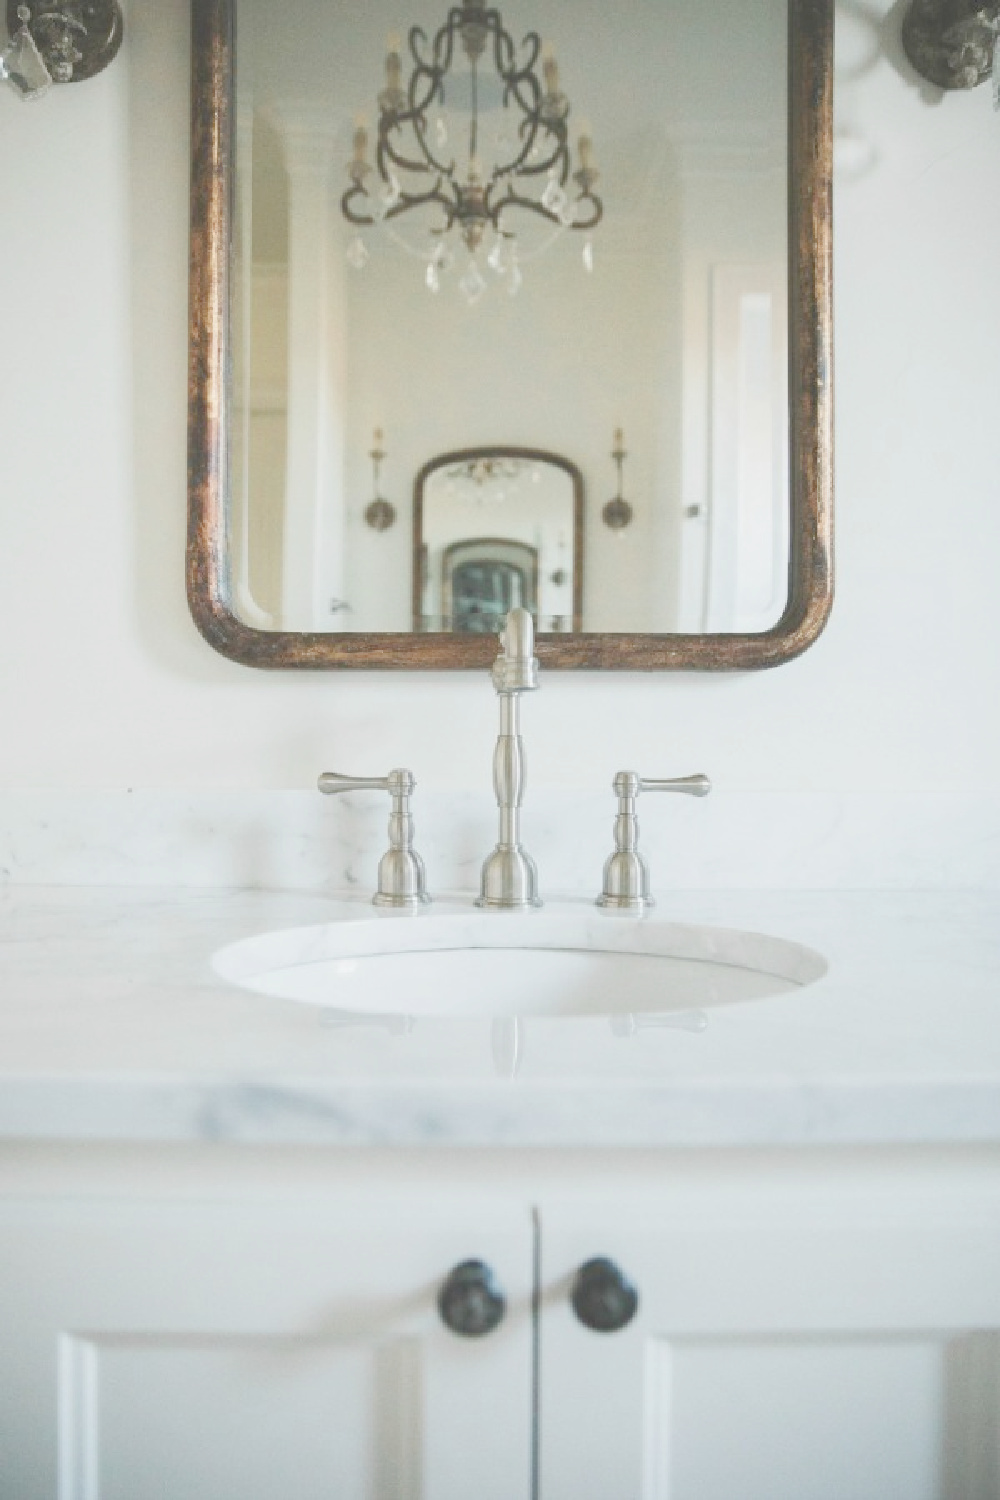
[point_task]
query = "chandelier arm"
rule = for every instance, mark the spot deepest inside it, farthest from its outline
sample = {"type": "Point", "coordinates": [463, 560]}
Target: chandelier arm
{"type": "Point", "coordinates": [441, 48]}
{"type": "Point", "coordinates": [517, 161]}
{"type": "Point", "coordinates": [419, 123]}
{"type": "Point", "coordinates": [386, 149]}
{"type": "Point", "coordinates": [409, 201]}
{"type": "Point", "coordinates": [515, 200]}
{"type": "Point", "coordinates": [504, 50]}
{"type": "Point", "coordinates": [386, 152]}
{"type": "Point", "coordinates": [529, 134]}
{"type": "Point", "coordinates": [419, 106]}
{"type": "Point", "coordinates": [513, 80]}
{"type": "Point", "coordinates": [346, 208]}
{"type": "Point", "coordinates": [429, 74]}
{"type": "Point", "coordinates": [596, 212]}
{"type": "Point", "coordinates": [529, 129]}
{"type": "Point", "coordinates": [559, 154]}
{"type": "Point", "coordinates": [520, 86]}
{"type": "Point", "coordinates": [532, 44]}
{"type": "Point", "coordinates": [515, 77]}
{"type": "Point", "coordinates": [531, 107]}
{"type": "Point", "coordinates": [416, 116]}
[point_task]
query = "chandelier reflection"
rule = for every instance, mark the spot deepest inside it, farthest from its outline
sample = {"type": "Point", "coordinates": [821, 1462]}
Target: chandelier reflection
{"type": "Point", "coordinates": [511, 164]}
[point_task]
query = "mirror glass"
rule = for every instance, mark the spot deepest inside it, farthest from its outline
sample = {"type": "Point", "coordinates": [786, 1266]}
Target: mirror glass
{"type": "Point", "coordinates": [625, 311]}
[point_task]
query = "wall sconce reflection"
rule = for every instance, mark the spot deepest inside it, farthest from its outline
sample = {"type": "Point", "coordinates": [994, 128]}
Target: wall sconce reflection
{"type": "Point", "coordinates": [617, 514]}
{"type": "Point", "coordinates": [380, 513]}
{"type": "Point", "coordinates": [58, 43]}
{"type": "Point", "coordinates": [952, 43]}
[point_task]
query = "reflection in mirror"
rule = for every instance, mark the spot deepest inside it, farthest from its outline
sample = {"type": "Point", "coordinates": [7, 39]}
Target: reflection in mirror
{"type": "Point", "coordinates": [535, 240]}
{"type": "Point", "coordinates": [371, 300]}
{"type": "Point", "coordinates": [493, 529]}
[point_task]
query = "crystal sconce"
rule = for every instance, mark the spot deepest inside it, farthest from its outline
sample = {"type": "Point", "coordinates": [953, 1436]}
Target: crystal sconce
{"type": "Point", "coordinates": [617, 514]}
{"type": "Point", "coordinates": [952, 43]}
{"type": "Point", "coordinates": [58, 43]}
{"type": "Point", "coordinates": [472, 194]}
{"type": "Point", "coordinates": [380, 514]}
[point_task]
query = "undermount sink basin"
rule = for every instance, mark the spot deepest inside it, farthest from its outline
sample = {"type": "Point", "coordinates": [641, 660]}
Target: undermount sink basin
{"type": "Point", "coordinates": [553, 962]}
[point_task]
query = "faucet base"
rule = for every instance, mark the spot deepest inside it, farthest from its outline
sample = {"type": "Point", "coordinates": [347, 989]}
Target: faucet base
{"type": "Point", "coordinates": [509, 879]}
{"type": "Point", "coordinates": [401, 879]}
{"type": "Point", "coordinates": [626, 882]}
{"type": "Point", "coordinates": [625, 903]}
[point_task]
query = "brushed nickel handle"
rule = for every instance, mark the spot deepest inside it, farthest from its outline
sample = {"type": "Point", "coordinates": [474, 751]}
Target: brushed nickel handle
{"type": "Point", "coordinates": [691, 786]}
{"type": "Point", "coordinates": [332, 781]}
{"type": "Point", "coordinates": [626, 874]}
{"type": "Point", "coordinates": [602, 1296]}
{"type": "Point", "coordinates": [471, 1301]}
{"type": "Point", "coordinates": [402, 880]}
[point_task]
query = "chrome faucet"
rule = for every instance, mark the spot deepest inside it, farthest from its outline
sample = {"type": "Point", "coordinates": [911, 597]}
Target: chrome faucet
{"type": "Point", "coordinates": [509, 877]}
{"type": "Point", "coordinates": [626, 873]}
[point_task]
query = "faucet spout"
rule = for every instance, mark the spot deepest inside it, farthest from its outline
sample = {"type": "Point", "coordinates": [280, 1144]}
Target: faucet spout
{"type": "Point", "coordinates": [516, 667]}
{"type": "Point", "coordinates": [509, 878]}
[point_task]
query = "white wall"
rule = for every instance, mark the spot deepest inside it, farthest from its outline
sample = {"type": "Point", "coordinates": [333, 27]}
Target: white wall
{"type": "Point", "coordinates": [104, 682]}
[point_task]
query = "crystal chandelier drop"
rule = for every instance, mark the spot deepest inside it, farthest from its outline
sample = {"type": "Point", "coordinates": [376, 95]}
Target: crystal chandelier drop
{"type": "Point", "coordinates": [480, 190]}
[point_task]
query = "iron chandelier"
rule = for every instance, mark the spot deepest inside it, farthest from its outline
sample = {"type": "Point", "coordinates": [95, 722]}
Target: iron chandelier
{"type": "Point", "coordinates": [480, 191]}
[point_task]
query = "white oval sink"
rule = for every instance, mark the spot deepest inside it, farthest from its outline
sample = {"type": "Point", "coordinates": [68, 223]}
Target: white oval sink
{"type": "Point", "coordinates": [553, 962]}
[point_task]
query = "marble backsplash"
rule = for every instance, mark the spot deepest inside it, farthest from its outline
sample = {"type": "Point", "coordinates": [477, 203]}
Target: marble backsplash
{"type": "Point", "coordinates": [300, 841]}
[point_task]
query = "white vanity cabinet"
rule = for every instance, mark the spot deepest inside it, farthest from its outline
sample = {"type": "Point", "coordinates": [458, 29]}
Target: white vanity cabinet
{"type": "Point", "coordinates": [246, 1325]}
{"type": "Point", "coordinates": [213, 1345]}
{"type": "Point", "coordinates": [826, 1331]}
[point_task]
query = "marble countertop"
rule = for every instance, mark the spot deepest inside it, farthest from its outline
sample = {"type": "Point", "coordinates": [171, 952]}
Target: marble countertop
{"type": "Point", "coordinates": [115, 1027]}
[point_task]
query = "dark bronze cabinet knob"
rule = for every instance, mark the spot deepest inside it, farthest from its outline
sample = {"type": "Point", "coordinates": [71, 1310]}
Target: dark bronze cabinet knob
{"type": "Point", "coordinates": [471, 1301]}
{"type": "Point", "coordinates": [603, 1298]}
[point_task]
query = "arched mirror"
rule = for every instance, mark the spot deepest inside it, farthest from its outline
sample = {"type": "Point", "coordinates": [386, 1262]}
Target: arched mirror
{"type": "Point", "coordinates": [494, 528]}
{"type": "Point", "coordinates": [581, 251]}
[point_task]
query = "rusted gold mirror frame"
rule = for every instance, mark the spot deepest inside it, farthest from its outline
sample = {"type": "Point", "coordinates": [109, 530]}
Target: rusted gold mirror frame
{"type": "Point", "coordinates": [466, 455]}
{"type": "Point", "coordinates": [810, 590]}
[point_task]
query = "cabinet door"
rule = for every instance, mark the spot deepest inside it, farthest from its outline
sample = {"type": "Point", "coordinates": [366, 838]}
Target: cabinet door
{"type": "Point", "coordinates": [788, 1345]}
{"type": "Point", "coordinates": [248, 1352]}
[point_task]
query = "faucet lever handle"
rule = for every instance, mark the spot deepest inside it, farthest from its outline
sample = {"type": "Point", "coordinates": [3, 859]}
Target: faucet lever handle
{"type": "Point", "coordinates": [691, 786]}
{"type": "Point", "coordinates": [626, 873]}
{"type": "Point", "coordinates": [402, 880]}
{"type": "Point", "coordinates": [332, 781]}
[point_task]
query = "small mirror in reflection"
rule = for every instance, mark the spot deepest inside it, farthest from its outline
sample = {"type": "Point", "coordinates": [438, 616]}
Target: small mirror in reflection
{"type": "Point", "coordinates": [493, 529]}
